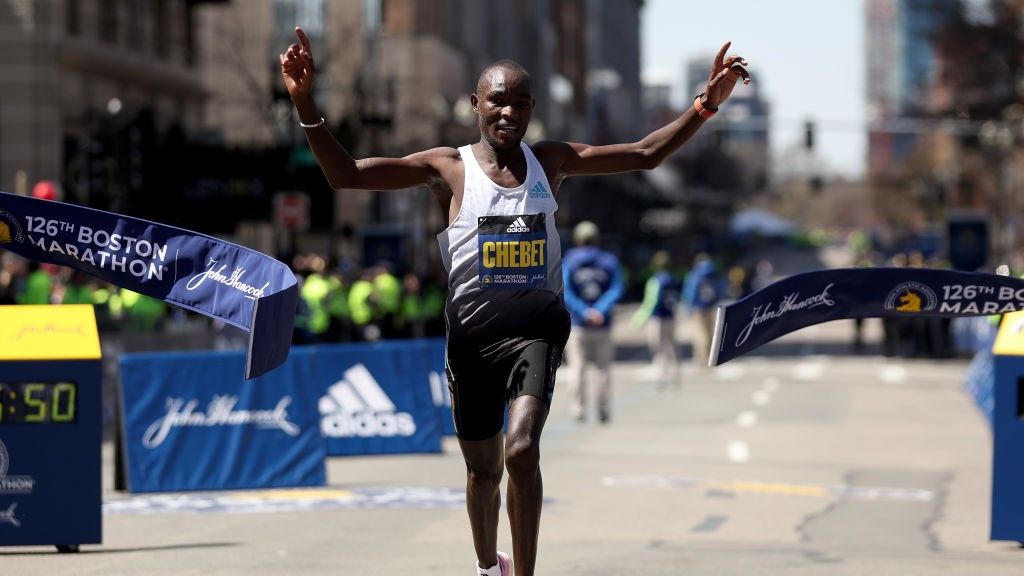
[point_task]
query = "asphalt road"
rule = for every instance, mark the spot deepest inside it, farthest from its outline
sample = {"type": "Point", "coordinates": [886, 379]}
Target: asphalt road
{"type": "Point", "coordinates": [806, 460]}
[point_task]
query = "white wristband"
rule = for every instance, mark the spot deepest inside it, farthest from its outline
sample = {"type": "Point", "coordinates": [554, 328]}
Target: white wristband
{"type": "Point", "coordinates": [317, 125]}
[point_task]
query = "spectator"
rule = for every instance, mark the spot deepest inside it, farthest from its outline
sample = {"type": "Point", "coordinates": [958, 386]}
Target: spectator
{"type": "Point", "coordinates": [593, 284]}
{"type": "Point", "coordinates": [702, 290]}
{"type": "Point", "coordinates": [661, 298]}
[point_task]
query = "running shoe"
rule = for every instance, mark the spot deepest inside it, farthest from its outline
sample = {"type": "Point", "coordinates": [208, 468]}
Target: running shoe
{"type": "Point", "coordinates": [502, 568]}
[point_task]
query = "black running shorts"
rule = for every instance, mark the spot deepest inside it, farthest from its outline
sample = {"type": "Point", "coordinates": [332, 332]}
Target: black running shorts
{"type": "Point", "coordinates": [486, 374]}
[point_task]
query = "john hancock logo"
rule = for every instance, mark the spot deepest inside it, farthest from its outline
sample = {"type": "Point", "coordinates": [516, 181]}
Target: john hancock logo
{"type": "Point", "coordinates": [10, 230]}
{"type": "Point", "coordinates": [911, 297]}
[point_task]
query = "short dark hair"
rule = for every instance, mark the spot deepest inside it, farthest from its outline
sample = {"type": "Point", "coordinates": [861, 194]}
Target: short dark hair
{"type": "Point", "coordinates": [505, 65]}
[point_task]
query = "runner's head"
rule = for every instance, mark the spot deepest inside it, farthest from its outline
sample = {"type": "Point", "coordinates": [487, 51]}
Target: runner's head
{"type": "Point", "coordinates": [504, 103]}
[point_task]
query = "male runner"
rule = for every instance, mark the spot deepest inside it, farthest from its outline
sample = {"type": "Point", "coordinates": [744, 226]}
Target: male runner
{"type": "Point", "coordinates": [507, 323]}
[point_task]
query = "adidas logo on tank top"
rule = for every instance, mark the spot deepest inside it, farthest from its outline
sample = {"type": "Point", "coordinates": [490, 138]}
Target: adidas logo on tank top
{"type": "Point", "coordinates": [518, 226]}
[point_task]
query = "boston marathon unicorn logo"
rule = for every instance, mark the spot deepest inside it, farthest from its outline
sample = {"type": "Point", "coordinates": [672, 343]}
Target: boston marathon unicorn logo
{"type": "Point", "coordinates": [10, 230]}
{"type": "Point", "coordinates": [911, 297]}
{"type": "Point", "coordinates": [909, 302]}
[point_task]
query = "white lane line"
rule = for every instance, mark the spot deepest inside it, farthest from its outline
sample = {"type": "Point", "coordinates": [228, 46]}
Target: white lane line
{"type": "Point", "coordinates": [738, 452]}
{"type": "Point", "coordinates": [746, 419]}
{"type": "Point", "coordinates": [730, 373]}
{"type": "Point", "coordinates": [809, 370]}
{"type": "Point", "coordinates": [761, 397]}
{"type": "Point", "coordinates": [770, 384]}
{"type": "Point", "coordinates": [892, 374]}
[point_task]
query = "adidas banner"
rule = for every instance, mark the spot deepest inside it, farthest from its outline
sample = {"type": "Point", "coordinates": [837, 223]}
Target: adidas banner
{"type": "Point", "coordinates": [189, 422]}
{"type": "Point", "coordinates": [439, 385]}
{"type": "Point", "coordinates": [815, 297]}
{"type": "Point", "coordinates": [381, 398]}
{"type": "Point", "coordinates": [239, 286]}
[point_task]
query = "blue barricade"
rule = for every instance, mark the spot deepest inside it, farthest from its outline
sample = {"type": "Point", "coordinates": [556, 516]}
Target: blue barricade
{"type": "Point", "coordinates": [192, 423]}
{"type": "Point", "coordinates": [439, 387]}
{"type": "Point", "coordinates": [980, 384]}
{"type": "Point", "coordinates": [1007, 420]}
{"type": "Point", "coordinates": [976, 336]}
{"type": "Point", "coordinates": [972, 334]}
{"type": "Point", "coordinates": [379, 398]}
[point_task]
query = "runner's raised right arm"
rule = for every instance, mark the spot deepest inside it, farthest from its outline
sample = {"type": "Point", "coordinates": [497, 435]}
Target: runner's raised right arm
{"type": "Point", "coordinates": [341, 170]}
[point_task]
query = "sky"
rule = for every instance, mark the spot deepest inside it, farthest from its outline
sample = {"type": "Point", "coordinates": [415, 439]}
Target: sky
{"type": "Point", "coordinates": [806, 56]}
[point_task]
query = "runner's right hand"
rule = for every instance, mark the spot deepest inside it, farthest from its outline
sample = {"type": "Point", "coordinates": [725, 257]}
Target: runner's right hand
{"type": "Point", "coordinates": [297, 68]}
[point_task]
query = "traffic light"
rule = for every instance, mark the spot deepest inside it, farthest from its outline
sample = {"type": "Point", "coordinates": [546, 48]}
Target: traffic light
{"type": "Point", "coordinates": [809, 135]}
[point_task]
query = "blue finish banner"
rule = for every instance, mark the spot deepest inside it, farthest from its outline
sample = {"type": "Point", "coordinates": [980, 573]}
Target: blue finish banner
{"type": "Point", "coordinates": [241, 287]}
{"type": "Point", "coordinates": [377, 398]}
{"type": "Point", "coordinates": [190, 423]}
{"type": "Point", "coordinates": [811, 298]}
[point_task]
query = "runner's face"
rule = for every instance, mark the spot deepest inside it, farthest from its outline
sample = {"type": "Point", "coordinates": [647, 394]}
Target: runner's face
{"type": "Point", "coordinates": [504, 103]}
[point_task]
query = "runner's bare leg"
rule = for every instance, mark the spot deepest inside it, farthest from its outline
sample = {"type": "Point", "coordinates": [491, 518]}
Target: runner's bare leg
{"type": "Point", "coordinates": [526, 418]}
{"type": "Point", "coordinates": [484, 467]}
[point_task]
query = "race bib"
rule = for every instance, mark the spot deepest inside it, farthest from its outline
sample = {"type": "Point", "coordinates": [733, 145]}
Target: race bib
{"type": "Point", "coordinates": [513, 252]}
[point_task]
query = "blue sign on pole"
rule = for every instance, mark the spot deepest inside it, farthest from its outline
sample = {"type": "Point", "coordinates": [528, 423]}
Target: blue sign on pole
{"type": "Point", "coordinates": [191, 423]}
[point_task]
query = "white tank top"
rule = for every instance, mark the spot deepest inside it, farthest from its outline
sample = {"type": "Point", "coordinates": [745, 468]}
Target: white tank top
{"type": "Point", "coordinates": [502, 243]}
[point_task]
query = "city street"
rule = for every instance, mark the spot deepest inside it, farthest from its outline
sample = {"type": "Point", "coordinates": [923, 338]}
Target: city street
{"type": "Point", "coordinates": [233, 234]}
{"type": "Point", "coordinates": [805, 460]}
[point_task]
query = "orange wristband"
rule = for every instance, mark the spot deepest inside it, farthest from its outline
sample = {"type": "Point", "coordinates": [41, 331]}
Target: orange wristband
{"type": "Point", "coordinates": [702, 110]}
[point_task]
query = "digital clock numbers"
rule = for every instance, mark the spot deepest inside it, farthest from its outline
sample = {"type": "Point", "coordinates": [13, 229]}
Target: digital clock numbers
{"type": "Point", "coordinates": [38, 402]}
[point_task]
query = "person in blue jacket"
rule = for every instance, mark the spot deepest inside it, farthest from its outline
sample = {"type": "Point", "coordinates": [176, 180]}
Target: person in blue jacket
{"type": "Point", "coordinates": [593, 284]}
{"type": "Point", "coordinates": [702, 290]}
{"type": "Point", "coordinates": [661, 298]}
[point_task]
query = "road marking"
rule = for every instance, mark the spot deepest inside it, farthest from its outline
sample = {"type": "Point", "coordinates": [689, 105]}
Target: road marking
{"type": "Point", "coordinates": [771, 488]}
{"type": "Point", "coordinates": [266, 501]}
{"type": "Point", "coordinates": [709, 524]}
{"type": "Point", "coordinates": [645, 481]}
{"type": "Point", "coordinates": [746, 419]}
{"type": "Point", "coordinates": [295, 494]}
{"type": "Point", "coordinates": [719, 488]}
{"type": "Point", "coordinates": [892, 374]}
{"type": "Point", "coordinates": [770, 384]}
{"type": "Point", "coordinates": [738, 452]}
{"type": "Point", "coordinates": [761, 397]}
{"type": "Point", "coordinates": [716, 493]}
{"type": "Point", "coordinates": [812, 370]}
{"type": "Point", "coordinates": [730, 372]}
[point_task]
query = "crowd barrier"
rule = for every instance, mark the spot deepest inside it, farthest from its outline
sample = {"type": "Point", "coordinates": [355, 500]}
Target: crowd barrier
{"type": "Point", "coordinates": [189, 421]}
{"type": "Point", "coordinates": [975, 336]}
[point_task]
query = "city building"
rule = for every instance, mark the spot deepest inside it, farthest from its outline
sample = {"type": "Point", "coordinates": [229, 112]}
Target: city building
{"type": "Point", "coordinates": [739, 132]}
{"type": "Point", "coordinates": [84, 83]}
{"type": "Point", "coordinates": [148, 107]}
{"type": "Point", "coordinates": [613, 71]}
{"type": "Point", "coordinates": [395, 77]}
{"type": "Point", "coordinates": [901, 76]}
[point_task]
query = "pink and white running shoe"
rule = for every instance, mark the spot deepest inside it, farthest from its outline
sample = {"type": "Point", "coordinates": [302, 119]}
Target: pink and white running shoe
{"type": "Point", "coordinates": [502, 568]}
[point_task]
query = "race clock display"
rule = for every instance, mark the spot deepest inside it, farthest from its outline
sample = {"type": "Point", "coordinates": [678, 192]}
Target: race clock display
{"type": "Point", "coordinates": [38, 402]}
{"type": "Point", "coordinates": [51, 427]}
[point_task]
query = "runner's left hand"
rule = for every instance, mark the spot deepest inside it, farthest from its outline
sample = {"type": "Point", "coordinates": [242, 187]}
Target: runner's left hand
{"type": "Point", "coordinates": [724, 74]}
